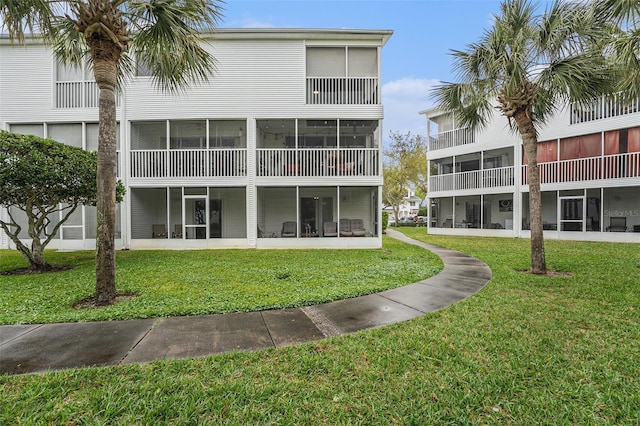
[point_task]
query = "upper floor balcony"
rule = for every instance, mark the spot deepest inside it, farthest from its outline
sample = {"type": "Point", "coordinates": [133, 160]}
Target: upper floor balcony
{"type": "Point", "coordinates": [617, 166]}
{"type": "Point", "coordinates": [470, 180]}
{"type": "Point", "coordinates": [342, 91]}
{"type": "Point", "coordinates": [603, 107]}
{"type": "Point", "coordinates": [451, 138]}
{"type": "Point", "coordinates": [78, 94]}
{"type": "Point", "coordinates": [270, 162]}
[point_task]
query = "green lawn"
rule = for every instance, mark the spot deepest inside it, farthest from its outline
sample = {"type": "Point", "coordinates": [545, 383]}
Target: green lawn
{"type": "Point", "coordinates": [208, 281]}
{"type": "Point", "coordinates": [525, 350]}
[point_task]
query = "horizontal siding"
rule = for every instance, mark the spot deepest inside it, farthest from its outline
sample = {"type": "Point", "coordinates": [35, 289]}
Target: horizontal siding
{"type": "Point", "coordinates": [252, 78]}
{"type": "Point", "coordinates": [26, 84]}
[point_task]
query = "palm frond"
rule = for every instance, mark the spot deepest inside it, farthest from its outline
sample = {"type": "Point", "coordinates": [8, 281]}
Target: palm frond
{"type": "Point", "coordinates": [69, 45]}
{"type": "Point", "coordinates": [167, 37]}
{"type": "Point", "coordinates": [468, 102]}
{"type": "Point", "coordinates": [20, 16]}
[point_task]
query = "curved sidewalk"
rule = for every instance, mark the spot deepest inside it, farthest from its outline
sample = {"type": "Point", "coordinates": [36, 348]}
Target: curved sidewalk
{"type": "Point", "coordinates": [41, 347]}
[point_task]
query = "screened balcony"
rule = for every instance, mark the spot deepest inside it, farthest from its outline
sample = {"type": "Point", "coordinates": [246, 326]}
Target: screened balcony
{"type": "Point", "coordinates": [451, 138]}
{"type": "Point", "coordinates": [603, 107]}
{"type": "Point", "coordinates": [342, 75]}
{"type": "Point", "coordinates": [488, 169]}
{"type": "Point", "coordinates": [618, 166]}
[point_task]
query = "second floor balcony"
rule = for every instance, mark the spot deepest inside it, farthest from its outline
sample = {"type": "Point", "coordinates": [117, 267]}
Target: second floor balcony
{"type": "Point", "coordinates": [617, 166]}
{"type": "Point", "coordinates": [78, 94]}
{"type": "Point", "coordinates": [451, 138]}
{"type": "Point", "coordinates": [471, 180]}
{"type": "Point", "coordinates": [270, 162]}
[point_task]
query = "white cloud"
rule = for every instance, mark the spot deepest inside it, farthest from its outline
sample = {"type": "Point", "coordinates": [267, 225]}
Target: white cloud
{"type": "Point", "coordinates": [250, 22]}
{"type": "Point", "coordinates": [403, 100]}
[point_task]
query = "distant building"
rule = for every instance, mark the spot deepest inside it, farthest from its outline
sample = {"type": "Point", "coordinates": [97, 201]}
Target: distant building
{"type": "Point", "coordinates": [409, 207]}
{"type": "Point", "coordinates": [589, 161]}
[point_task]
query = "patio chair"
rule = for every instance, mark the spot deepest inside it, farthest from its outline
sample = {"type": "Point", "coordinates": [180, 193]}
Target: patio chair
{"type": "Point", "coordinates": [617, 224]}
{"type": "Point", "coordinates": [159, 231]}
{"type": "Point", "coordinates": [329, 229]}
{"type": "Point", "coordinates": [345, 228]}
{"type": "Point", "coordinates": [177, 231]}
{"type": "Point", "coordinates": [263, 234]}
{"type": "Point", "coordinates": [288, 229]}
{"type": "Point", "coordinates": [357, 228]}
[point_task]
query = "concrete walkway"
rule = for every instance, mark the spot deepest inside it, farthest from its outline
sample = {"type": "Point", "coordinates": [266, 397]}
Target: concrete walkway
{"type": "Point", "coordinates": [37, 348]}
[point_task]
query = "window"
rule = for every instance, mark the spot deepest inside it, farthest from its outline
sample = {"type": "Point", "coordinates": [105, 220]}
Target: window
{"type": "Point", "coordinates": [342, 62]}
{"type": "Point", "coordinates": [342, 75]}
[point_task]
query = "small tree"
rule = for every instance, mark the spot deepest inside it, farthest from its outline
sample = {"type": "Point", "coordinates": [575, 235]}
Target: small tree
{"type": "Point", "coordinates": [41, 177]}
{"type": "Point", "coordinates": [395, 187]}
{"type": "Point", "coordinates": [406, 167]}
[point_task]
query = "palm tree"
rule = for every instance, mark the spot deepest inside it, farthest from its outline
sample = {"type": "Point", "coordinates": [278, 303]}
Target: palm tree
{"type": "Point", "coordinates": [109, 34]}
{"type": "Point", "coordinates": [529, 65]}
{"type": "Point", "coordinates": [624, 43]}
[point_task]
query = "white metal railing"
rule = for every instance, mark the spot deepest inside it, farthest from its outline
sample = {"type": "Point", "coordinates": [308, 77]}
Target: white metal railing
{"type": "Point", "coordinates": [618, 166]}
{"type": "Point", "coordinates": [603, 107]}
{"type": "Point", "coordinates": [476, 179]}
{"type": "Point", "coordinates": [317, 162]}
{"type": "Point", "coordinates": [451, 138]}
{"type": "Point", "coordinates": [342, 90]}
{"type": "Point", "coordinates": [189, 163]}
{"type": "Point", "coordinates": [78, 94]}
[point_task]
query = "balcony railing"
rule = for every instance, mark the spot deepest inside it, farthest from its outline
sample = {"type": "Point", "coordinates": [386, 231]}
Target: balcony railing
{"type": "Point", "coordinates": [617, 166]}
{"type": "Point", "coordinates": [342, 91]}
{"type": "Point", "coordinates": [451, 138]}
{"type": "Point", "coordinates": [318, 162]}
{"type": "Point", "coordinates": [308, 162]}
{"type": "Point", "coordinates": [476, 179]}
{"type": "Point", "coordinates": [188, 163]}
{"type": "Point", "coordinates": [603, 107]}
{"type": "Point", "coordinates": [78, 94]}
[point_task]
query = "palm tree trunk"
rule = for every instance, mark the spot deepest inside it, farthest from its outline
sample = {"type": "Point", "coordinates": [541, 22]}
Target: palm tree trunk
{"type": "Point", "coordinates": [530, 144]}
{"type": "Point", "coordinates": [105, 71]}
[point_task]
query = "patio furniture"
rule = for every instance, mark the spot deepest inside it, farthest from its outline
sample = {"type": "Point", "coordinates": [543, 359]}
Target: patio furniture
{"type": "Point", "coordinates": [288, 229]}
{"type": "Point", "coordinates": [345, 228]}
{"type": "Point", "coordinates": [177, 231]}
{"type": "Point", "coordinates": [263, 234]}
{"type": "Point", "coordinates": [357, 228]}
{"type": "Point", "coordinates": [330, 229]}
{"type": "Point", "coordinates": [159, 231]}
{"type": "Point", "coordinates": [617, 224]}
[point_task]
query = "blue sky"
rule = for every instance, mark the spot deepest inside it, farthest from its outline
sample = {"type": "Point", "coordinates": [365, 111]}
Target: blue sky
{"type": "Point", "coordinates": [413, 60]}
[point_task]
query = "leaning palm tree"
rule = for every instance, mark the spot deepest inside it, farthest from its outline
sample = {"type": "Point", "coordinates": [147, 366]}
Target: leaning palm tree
{"type": "Point", "coordinates": [528, 66]}
{"type": "Point", "coordinates": [162, 34]}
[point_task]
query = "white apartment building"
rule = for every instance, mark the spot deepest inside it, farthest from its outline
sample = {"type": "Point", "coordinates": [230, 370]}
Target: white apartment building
{"type": "Point", "coordinates": [589, 161]}
{"type": "Point", "coordinates": [282, 148]}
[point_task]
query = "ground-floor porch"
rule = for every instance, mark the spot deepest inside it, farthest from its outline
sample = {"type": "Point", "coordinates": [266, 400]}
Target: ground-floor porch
{"type": "Point", "coordinates": [198, 217]}
{"type": "Point", "coordinates": [598, 214]}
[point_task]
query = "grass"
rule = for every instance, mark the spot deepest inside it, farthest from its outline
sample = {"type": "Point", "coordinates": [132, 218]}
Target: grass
{"type": "Point", "coordinates": [208, 281]}
{"type": "Point", "coordinates": [524, 350]}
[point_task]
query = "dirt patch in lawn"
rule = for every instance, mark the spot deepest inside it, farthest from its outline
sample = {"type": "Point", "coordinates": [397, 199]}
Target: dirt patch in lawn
{"type": "Point", "coordinates": [29, 271]}
{"type": "Point", "coordinates": [90, 302]}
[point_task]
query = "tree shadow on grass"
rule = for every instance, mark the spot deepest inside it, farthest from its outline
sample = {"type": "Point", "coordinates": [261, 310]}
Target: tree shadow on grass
{"type": "Point", "coordinates": [30, 271]}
